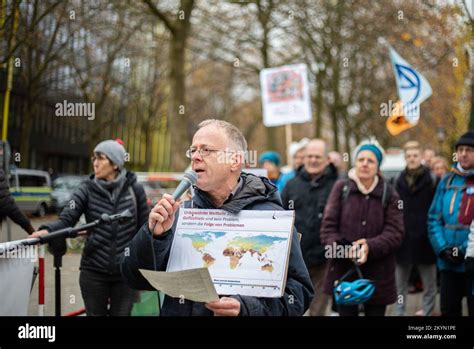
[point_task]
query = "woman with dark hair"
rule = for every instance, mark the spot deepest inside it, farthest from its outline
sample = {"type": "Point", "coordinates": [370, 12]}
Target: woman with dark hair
{"type": "Point", "coordinates": [111, 189]}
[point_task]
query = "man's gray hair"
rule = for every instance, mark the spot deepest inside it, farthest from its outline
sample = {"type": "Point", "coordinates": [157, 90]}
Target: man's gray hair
{"type": "Point", "coordinates": [319, 141]}
{"type": "Point", "coordinates": [232, 132]}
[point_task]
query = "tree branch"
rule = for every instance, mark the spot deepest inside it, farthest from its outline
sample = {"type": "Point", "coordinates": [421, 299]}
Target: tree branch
{"type": "Point", "coordinates": [163, 17]}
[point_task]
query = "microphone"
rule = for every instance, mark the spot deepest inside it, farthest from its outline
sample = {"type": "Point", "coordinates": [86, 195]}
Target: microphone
{"type": "Point", "coordinates": [189, 179]}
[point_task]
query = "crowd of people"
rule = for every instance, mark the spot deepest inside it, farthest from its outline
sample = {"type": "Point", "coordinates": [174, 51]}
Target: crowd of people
{"type": "Point", "coordinates": [422, 219]}
{"type": "Point", "coordinates": [418, 221]}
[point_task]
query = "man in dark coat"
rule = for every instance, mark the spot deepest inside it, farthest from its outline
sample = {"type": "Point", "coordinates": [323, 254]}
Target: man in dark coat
{"type": "Point", "coordinates": [8, 207]}
{"type": "Point", "coordinates": [307, 194]}
{"type": "Point", "coordinates": [217, 155]}
{"type": "Point", "coordinates": [416, 187]}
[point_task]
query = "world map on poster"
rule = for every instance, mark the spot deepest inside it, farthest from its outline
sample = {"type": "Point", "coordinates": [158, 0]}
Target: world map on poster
{"type": "Point", "coordinates": [245, 254]}
{"type": "Point", "coordinates": [253, 252]}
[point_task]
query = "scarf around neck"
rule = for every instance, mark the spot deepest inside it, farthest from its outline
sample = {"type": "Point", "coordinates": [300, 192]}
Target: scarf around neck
{"type": "Point", "coordinates": [112, 188]}
{"type": "Point", "coordinates": [352, 175]}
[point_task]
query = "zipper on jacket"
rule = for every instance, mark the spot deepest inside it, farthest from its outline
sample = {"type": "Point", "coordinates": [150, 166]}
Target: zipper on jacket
{"type": "Point", "coordinates": [451, 206]}
{"type": "Point", "coordinates": [115, 224]}
{"type": "Point", "coordinates": [467, 206]}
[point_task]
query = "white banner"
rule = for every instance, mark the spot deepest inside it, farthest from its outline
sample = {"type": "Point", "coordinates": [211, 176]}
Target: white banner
{"type": "Point", "coordinates": [285, 95]}
{"type": "Point", "coordinates": [16, 276]}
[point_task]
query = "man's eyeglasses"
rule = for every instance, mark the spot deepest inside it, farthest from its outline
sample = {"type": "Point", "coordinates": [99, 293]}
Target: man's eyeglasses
{"type": "Point", "coordinates": [204, 152]}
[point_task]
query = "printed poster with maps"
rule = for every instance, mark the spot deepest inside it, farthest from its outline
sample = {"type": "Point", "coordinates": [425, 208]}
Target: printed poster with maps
{"type": "Point", "coordinates": [246, 254]}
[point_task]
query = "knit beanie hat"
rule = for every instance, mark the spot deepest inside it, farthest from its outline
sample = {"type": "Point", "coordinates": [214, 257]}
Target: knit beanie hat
{"type": "Point", "coordinates": [466, 139]}
{"type": "Point", "coordinates": [271, 156]}
{"type": "Point", "coordinates": [373, 146]}
{"type": "Point", "coordinates": [114, 150]}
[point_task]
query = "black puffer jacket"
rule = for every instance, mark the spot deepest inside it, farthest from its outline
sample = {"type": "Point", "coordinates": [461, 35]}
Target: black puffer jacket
{"type": "Point", "coordinates": [257, 193]}
{"type": "Point", "coordinates": [8, 207]}
{"type": "Point", "coordinates": [308, 198]}
{"type": "Point", "coordinates": [105, 243]}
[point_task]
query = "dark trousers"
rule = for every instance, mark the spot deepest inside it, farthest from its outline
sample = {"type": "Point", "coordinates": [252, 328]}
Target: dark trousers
{"type": "Point", "coordinates": [101, 290]}
{"type": "Point", "coordinates": [369, 310]}
{"type": "Point", "coordinates": [454, 287]}
{"type": "Point", "coordinates": [321, 300]}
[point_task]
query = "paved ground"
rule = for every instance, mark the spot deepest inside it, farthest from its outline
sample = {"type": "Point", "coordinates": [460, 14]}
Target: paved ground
{"type": "Point", "coordinates": [71, 295]}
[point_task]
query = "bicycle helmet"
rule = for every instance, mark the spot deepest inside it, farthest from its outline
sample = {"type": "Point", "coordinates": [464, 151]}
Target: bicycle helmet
{"type": "Point", "coordinates": [353, 292]}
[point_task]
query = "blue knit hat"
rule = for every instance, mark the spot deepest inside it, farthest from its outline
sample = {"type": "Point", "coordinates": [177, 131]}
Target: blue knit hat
{"type": "Point", "coordinates": [374, 148]}
{"type": "Point", "coordinates": [271, 156]}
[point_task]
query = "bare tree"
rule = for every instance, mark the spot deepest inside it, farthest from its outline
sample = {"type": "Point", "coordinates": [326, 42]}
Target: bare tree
{"type": "Point", "coordinates": [40, 51]}
{"type": "Point", "coordinates": [178, 24]}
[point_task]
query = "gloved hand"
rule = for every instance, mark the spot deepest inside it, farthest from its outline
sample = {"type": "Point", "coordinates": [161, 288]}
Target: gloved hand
{"type": "Point", "coordinates": [458, 256]}
{"type": "Point", "coordinates": [452, 255]}
{"type": "Point", "coordinates": [469, 266]}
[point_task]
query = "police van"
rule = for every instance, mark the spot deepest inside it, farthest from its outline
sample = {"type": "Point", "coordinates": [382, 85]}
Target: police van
{"type": "Point", "coordinates": [31, 190]}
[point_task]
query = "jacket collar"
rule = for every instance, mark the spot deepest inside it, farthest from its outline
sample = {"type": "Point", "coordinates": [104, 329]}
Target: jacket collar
{"type": "Point", "coordinates": [330, 172]}
{"type": "Point", "coordinates": [253, 189]}
{"type": "Point", "coordinates": [130, 179]}
{"type": "Point", "coordinates": [352, 175]}
{"type": "Point", "coordinates": [424, 179]}
{"type": "Point", "coordinates": [457, 169]}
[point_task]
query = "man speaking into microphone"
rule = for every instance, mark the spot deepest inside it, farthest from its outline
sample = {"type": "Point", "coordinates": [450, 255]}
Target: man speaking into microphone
{"type": "Point", "coordinates": [217, 154]}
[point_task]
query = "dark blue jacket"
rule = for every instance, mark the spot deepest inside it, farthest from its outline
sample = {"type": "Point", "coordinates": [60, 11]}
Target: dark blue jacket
{"type": "Point", "coordinates": [257, 193]}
